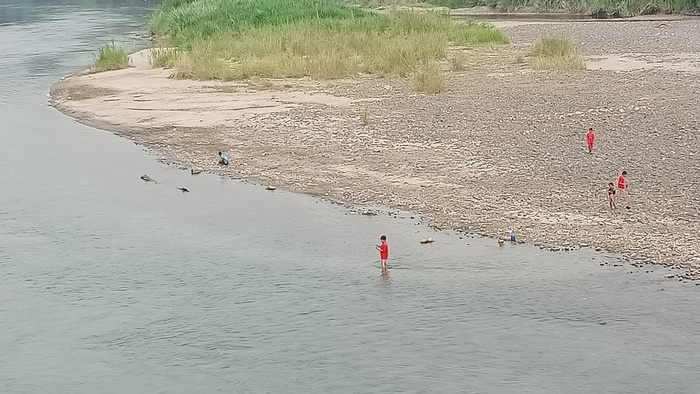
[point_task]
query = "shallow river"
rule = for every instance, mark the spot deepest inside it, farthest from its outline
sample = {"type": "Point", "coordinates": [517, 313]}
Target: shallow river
{"type": "Point", "coordinates": [109, 284]}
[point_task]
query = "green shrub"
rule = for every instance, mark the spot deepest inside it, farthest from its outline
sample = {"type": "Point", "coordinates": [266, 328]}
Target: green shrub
{"type": "Point", "coordinates": [111, 58]}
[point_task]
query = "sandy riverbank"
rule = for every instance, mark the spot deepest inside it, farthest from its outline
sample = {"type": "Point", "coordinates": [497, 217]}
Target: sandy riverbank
{"type": "Point", "coordinates": [501, 152]}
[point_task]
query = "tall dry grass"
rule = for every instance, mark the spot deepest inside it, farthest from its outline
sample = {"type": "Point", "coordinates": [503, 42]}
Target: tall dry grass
{"type": "Point", "coordinates": [555, 53]}
{"type": "Point", "coordinates": [610, 7]}
{"type": "Point", "coordinates": [428, 79]}
{"type": "Point", "coordinates": [164, 57]}
{"type": "Point", "coordinates": [458, 61]}
{"type": "Point", "coordinates": [365, 115]}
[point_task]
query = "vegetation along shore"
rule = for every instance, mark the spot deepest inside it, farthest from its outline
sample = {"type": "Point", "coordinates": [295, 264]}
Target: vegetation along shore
{"type": "Point", "coordinates": [596, 8]}
{"type": "Point", "coordinates": [480, 128]}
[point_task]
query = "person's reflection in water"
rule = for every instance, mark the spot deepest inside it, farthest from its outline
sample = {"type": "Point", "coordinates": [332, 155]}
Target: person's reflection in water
{"type": "Point", "coordinates": [385, 280]}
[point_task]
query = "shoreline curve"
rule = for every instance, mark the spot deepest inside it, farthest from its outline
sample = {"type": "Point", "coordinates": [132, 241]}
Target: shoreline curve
{"type": "Point", "coordinates": [501, 152]}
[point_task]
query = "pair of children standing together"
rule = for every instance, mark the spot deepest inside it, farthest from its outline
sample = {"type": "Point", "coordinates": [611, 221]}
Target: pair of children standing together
{"type": "Point", "coordinates": [621, 187]}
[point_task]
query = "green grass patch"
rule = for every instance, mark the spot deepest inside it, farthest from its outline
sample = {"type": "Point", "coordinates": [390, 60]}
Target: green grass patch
{"type": "Point", "coordinates": [186, 20]}
{"type": "Point", "coordinates": [474, 33]}
{"type": "Point", "coordinates": [111, 58]}
{"type": "Point", "coordinates": [294, 38]}
{"type": "Point", "coordinates": [555, 53]}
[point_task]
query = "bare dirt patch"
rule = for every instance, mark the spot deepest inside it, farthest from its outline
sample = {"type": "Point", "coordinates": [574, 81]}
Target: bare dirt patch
{"type": "Point", "coordinates": [150, 98]}
{"type": "Point", "coordinates": [81, 92]}
{"type": "Point", "coordinates": [681, 62]}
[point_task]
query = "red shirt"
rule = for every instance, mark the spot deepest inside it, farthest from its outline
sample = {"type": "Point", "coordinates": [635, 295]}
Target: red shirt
{"type": "Point", "coordinates": [621, 182]}
{"type": "Point", "coordinates": [590, 136]}
{"type": "Point", "coordinates": [384, 250]}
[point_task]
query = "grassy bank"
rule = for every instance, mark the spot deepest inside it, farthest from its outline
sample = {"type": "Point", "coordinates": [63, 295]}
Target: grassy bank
{"type": "Point", "coordinates": [610, 7]}
{"type": "Point", "coordinates": [236, 39]}
{"type": "Point", "coordinates": [184, 21]}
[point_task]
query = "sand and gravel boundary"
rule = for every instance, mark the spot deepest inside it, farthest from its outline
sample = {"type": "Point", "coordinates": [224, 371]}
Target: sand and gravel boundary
{"type": "Point", "coordinates": [501, 152]}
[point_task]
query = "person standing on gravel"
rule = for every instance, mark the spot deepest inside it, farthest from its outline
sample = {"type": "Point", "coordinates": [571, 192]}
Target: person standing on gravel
{"type": "Point", "coordinates": [611, 195]}
{"type": "Point", "coordinates": [589, 138]}
{"type": "Point", "coordinates": [622, 186]}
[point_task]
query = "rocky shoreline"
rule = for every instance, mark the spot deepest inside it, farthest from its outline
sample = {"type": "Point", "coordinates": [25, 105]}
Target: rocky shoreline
{"type": "Point", "coordinates": [501, 152]}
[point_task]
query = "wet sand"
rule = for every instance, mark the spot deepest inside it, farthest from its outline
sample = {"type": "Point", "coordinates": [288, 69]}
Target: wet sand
{"type": "Point", "coordinates": [501, 152]}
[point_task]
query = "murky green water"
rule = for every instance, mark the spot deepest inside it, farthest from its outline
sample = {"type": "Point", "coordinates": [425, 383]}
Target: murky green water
{"type": "Point", "coordinates": [109, 284]}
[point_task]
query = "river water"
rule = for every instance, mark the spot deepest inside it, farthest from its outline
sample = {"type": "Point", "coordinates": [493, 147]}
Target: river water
{"type": "Point", "coordinates": [110, 284]}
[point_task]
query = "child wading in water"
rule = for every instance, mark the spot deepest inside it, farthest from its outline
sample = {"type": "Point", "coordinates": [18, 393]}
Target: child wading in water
{"type": "Point", "coordinates": [611, 195]}
{"type": "Point", "coordinates": [383, 251]}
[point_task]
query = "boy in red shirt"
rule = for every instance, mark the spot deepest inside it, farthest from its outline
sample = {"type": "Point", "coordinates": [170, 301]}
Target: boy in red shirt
{"type": "Point", "coordinates": [622, 187]}
{"type": "Point", "coordinates": [383, 251]}
{"type": "Point", "coordinates": [589, 138]}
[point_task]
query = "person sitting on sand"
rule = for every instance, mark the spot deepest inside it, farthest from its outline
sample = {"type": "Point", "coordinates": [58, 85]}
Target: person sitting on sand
{"type": "Point", "coordinates": [611, 195]}
{"type": "Point", "coordinates": [223, 160]}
